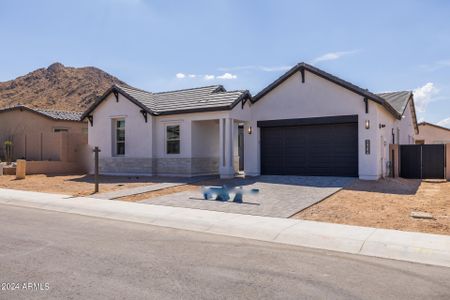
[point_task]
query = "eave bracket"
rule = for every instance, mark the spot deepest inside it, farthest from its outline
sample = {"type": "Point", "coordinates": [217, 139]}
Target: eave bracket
{"type": "Point", "coordinates": [116, 94]}
{"type": "Point", "coordinates": [144, 114]}
{"type": "Point", "coordinates": [366, 103]}
{"type": "Point", "coordinates": [302, 71]}
{"type": "Point", "coordinates": [91, 120]}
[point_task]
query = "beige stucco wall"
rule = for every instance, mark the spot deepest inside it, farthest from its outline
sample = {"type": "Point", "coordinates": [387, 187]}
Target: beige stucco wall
{"type": "Point", "coordinates": [53, 167]}
{"type": "Point", "coordinates": [433, 135]}
{"type": "Point", "coordinates": [395, 157]}
{"type": "Point", "coordinates": [33, 136]}
{"type": "Point", "coordinates": [17, 122]}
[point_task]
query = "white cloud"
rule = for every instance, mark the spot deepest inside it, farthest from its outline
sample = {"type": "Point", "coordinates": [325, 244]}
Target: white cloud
{"type": "Point", "coordinates": [227, 76]}
{"type": "Point", "coordinates": [445, 63]}
{"type": "Point", "coordinates": [257, 68]}
{"type": "Point", "coordinates": [424, 95]}
{"type": "Point", "coordinates": [333, 55]}
{"type": "Point", "coordinates": [209, 77]}
{"type": "Point", "coordinates": [444, 122]}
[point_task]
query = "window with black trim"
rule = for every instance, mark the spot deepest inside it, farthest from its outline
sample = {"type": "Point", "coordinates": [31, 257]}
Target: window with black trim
{"type": "Point", "coordinates": [173, 139]}
{"type": "Point", "coordinates": [120, 137]}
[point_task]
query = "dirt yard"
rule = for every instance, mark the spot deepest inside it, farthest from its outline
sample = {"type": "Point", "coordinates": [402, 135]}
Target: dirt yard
{"type": "Point", "coordinates": [76, 185]}
{"type": "Point", "coordinates": [387, 204]}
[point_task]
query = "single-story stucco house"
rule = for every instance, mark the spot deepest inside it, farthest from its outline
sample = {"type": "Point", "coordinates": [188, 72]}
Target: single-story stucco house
{"type": "Point", "coordinates": [432, 134]}
{"type": "Point", "coordinates": [307, 122]}
{"type": "Point", "coordinates": [43, 135]}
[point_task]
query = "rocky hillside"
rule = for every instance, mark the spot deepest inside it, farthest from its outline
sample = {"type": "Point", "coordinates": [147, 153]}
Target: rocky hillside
{"type": "Point", "coordinates": [57, 87]}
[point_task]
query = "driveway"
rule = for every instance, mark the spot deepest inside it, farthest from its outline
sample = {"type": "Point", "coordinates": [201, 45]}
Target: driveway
{"type": "Point", "coordinates": [279, 196]}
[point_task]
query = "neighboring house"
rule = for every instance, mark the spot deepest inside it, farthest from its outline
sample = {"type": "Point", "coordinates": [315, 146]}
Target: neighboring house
{"type": "Point", "coordinates": [42, 135]}
{"type": "Point", "coordinates": [432, 134]}
{"type": "Point", "coordinates": [307, 122]}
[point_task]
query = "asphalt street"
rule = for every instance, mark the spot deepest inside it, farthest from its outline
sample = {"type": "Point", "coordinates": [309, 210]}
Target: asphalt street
{"type": "Point", "coordinates": [51, 255]}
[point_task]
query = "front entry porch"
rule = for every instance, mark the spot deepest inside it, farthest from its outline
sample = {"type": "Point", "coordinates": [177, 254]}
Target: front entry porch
{"type": "Point", "coordinates": [218, 142]}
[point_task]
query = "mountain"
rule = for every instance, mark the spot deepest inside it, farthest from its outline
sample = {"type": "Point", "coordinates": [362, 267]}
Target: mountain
{"type": "Point", "coordinates": [57, 87]}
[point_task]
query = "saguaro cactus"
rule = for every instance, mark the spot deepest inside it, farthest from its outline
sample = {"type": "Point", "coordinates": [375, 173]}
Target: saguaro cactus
{"type": "Point", "coordinates": [8, 150]}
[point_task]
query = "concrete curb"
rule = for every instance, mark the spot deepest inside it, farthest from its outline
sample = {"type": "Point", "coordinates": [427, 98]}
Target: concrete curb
{"type": "Point", "coordinates": [408, 246]}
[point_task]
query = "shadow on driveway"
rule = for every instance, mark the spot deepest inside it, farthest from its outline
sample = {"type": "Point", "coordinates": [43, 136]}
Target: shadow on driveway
{"type": "Point", "coordinates": [398, 186]}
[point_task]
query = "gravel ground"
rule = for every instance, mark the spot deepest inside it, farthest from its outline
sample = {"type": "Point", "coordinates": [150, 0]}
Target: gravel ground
{"type": "Point", "coordinates": [387, 204]}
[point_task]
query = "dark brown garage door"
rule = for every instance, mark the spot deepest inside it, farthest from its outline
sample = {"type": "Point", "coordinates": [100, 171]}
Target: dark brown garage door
{"type": "Point", "coordinates": [312, 150]}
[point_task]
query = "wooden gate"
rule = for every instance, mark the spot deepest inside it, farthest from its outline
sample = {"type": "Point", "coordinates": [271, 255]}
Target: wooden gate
{"type": "Point", "coordinates": [422, 161]}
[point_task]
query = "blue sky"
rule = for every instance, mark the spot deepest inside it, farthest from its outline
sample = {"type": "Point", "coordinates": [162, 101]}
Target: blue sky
{"type": "Point", "coordinates": [164, 45]}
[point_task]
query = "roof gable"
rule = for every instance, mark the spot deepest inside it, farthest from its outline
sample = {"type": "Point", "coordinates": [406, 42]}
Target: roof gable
{"type": "Point", "coordinates": [302, 67]}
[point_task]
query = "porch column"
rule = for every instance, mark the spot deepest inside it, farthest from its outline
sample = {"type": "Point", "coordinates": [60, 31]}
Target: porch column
{"type": "Point", "coordinates": [226, 168]}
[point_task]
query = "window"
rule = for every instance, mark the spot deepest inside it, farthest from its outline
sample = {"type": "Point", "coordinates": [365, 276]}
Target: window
{"type": "Point", "coordinates": [60, 129]}
{"type": "Point", "coordinates": [120, 137]}
{"type": "Point", "coordinates": [173, 139]}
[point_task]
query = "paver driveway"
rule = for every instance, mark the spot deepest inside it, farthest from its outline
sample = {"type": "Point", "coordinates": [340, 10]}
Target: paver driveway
{"type": "Point", "coordinates": [279, 196]}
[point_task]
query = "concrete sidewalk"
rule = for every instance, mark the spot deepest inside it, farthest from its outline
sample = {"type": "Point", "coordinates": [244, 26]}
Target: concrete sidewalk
{"type": "Point", "coordinates": [408, 246]}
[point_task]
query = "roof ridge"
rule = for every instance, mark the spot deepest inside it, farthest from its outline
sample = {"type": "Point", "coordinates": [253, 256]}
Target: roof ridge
{"type": "Point", "coordinates": [39, 109]}
{"type": "Point", "coordinates": [233, 91]}
{"type": "Point", "coordinates": [404, 91]}
{"type": "Point", "coordinates": [189, 89]}
{"type": "Point", "coordinates": [132, 88]}
{"type": "Point", "coordinates": [55, 110]}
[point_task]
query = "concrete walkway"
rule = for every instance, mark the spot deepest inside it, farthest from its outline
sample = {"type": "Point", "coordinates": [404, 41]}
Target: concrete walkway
{"type": "Point", "coordinates": [408, 246]}
{"type": "Point", "coordinates": [164, 184]}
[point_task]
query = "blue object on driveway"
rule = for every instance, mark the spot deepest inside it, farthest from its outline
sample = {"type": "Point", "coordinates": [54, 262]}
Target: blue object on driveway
{"type": "Point", "coordinates": [222, 193]}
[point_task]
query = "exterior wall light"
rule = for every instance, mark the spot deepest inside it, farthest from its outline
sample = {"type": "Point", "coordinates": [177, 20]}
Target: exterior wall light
{"type": "Point", "coordinates": [367, 124]}
{"type": "Point", "coordinates": [250, 130]}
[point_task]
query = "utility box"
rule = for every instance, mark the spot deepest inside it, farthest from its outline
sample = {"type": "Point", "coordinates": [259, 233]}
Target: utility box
{"type": "Point", "coordinates": [21, 166]}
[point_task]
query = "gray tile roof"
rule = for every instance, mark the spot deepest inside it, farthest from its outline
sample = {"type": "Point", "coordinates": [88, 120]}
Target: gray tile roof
{"type": "Point", "coordinates": [52, 114]}
{"type": "Point", "coordinates": [61, 115]}
{"type": "Point", "coordinates": [398, 100]}
{"type": "Point", "coordinates": [206, 98]}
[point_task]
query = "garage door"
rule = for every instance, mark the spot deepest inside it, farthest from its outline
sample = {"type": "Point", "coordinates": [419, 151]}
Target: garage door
{"type": "Point", "coordinates": [310, 149]}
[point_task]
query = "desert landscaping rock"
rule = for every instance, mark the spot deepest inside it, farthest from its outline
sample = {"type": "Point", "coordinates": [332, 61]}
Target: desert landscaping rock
{"type": "Point", "coordinates": [421, 215]}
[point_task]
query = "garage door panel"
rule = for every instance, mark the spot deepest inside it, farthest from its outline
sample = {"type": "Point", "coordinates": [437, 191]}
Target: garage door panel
{"type": "Point", "coordinates": [320, 150]}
